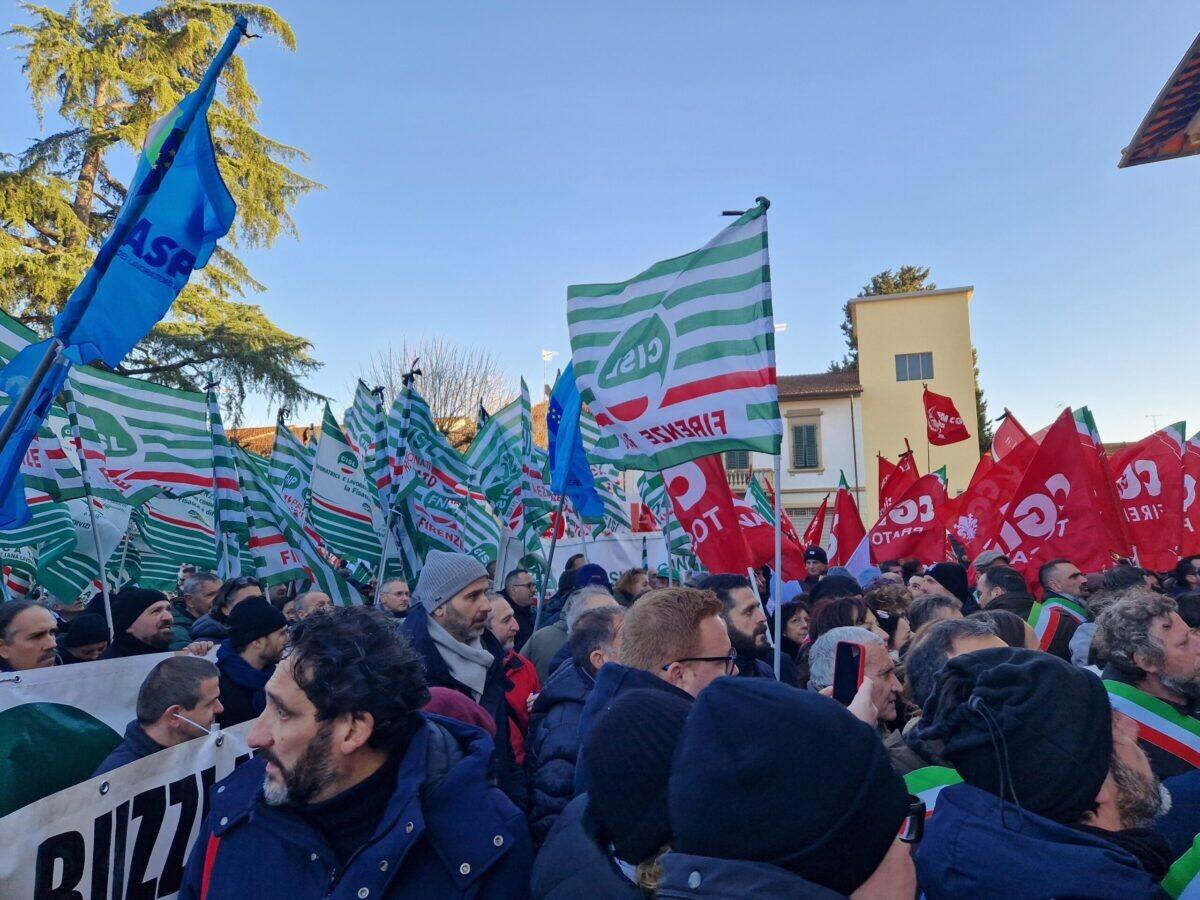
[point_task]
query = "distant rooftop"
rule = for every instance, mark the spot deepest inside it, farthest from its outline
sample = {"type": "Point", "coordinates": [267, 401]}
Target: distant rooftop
{"type": "Point", "coordinates": [820, 384]}
{"type": "Point", "coordinates": [940, 292]}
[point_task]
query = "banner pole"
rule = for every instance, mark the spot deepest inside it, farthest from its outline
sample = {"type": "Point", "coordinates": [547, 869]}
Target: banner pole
{"type": "Point", "coordinates": [124, 553]}
{"type": "Point", "coordinates": [87, 496]}
{"type": "Point", "coordinates": [389, 524]}
{"type": "Point", "coordinates": [776, 587]}
{"type": "Point", "coordinates": [537, 619]}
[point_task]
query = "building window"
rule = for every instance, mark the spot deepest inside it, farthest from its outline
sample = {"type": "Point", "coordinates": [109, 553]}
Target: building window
{"type": "Point", "coordinates": [914, 366]}
{"type": "Point", "coordinates": [806, 451]}
{"type": "Point", "coordinates": [737, 459]}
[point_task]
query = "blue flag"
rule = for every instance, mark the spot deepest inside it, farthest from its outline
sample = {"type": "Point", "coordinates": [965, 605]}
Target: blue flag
{"type": "Point", "coordinates": [569, 469]}
{"type": "Point", "coordinates": [177, 209]}
{"type": "Point", "coordinates": [14, 377]}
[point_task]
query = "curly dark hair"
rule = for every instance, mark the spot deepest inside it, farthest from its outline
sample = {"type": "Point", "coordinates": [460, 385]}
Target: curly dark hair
{"type": "Point", "coordinates": [354, 660]}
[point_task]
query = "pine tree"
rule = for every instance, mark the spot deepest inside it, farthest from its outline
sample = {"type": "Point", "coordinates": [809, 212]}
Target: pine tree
{"type": "Point", "coordinates": [107, 76]}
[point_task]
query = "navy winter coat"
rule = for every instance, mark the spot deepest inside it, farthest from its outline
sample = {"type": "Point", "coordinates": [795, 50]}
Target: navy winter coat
{"type": "Point", "coordinates": [137, 745]}
{"type": "Point", "coordinates": [611, 680]}
{"type": "Point", "coordinates": [553, 745]}
{"type": "Point", "coordinates": [446, 833]}
{"type": "Point", "coordinates": [969, 850]}
{"type": "Point", "coordinates": [574, 865]}
{"type": "Point", "coordinates": [708, 878]}
{"type": "Point", "coordinates": [509, 775]}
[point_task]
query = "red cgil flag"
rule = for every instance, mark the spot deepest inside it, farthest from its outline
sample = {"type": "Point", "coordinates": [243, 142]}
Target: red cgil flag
{"type": "Point", "coordinates": [1189, 543]}
{"type": "Point", "coordinates": [902, 477]}
{"type": "Point", "coordinates": [1149, 483]}
{"type": "Point", "coordinates": [759, 537]}
{"type": "Point", "coordinates": [1053, 512]}
{"type": "Point", "coordinates": [816, 528]}
{"type": "Point", "coordinates": [703, 503]}
{"type": "Point", "coordinates": [847, 531]}
{"type": "Point", "coordinates": [912, 528]}
{"type": "Point", "coordinates": [643, 518]}
{"type": "Point", "coordinates": [974, 516]}
{"type": "Point", "coordinates": [886, 468]}
{"type": "Point", "coordinates": [943, 424]}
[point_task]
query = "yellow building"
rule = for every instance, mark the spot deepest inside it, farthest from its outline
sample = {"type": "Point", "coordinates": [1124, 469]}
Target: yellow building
{"type": "Point", "coordinates": [836, 423]}
{"type": "Point", "coordinates": [905, 341]}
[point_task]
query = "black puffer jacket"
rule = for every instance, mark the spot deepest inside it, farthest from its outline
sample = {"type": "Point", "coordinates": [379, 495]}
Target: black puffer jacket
{"type": "Point", "coordinates": [553, 745]}
{"type": "Point", "coordinates": [574, 865]}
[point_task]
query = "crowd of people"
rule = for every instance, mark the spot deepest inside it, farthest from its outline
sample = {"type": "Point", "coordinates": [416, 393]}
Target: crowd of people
{"type": "Point", "coordinates": [631, 737]}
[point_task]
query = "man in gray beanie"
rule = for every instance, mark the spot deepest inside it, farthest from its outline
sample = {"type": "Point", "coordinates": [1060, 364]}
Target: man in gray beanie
{"type": "Point", "coordinates": [447, 624]}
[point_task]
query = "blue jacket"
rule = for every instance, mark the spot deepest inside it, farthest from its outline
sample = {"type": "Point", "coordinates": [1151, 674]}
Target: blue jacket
{"type": "Point", "coordinates": [574, 865]}
{"type": "Point", "coordinates": [708, 878]}
{"type": "Point", "coordinates": [753, 667]}
{"type": "Point", "coordinates": [611, 680]}
{"type": "Point", "coordinates": [969, 851]}
{"type": "Point", "coordinates": [137, 744]}
{"type": "Point", "coordinates": [553, 745]}
{"type": "Point", "coordinates": [509, 775]}
{"type": "Point", "coordinates": [446, 833]}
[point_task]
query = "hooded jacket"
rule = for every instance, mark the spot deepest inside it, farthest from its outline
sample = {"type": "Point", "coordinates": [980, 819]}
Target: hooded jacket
{"type": "Point", "coordinates": [611, 680]}
{"type": "Point", "coordinates": [437, 674]}
{"type": "Point", "coordinates": [445, 833]}
{"type": "Point", "coordinates": [574, 865]}
{"type": "Point", "coordinates": [710, 878]}
{"type": "Point", "coordinates": [976, 845]}
{"type": "Point", "coordinates": [553, 745]}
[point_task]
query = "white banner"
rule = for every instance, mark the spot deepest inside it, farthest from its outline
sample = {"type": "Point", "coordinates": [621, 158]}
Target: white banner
{"type": "Point", "coordinates": [126, 834]}
{"type": "Point", "coordinates": [616, 553]}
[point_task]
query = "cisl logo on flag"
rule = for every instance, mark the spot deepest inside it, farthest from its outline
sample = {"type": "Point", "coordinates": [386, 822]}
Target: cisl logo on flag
{"type": "Point", "coordinates": [642, 351]}
{"type": "Point", "coordinates": [347, 462]}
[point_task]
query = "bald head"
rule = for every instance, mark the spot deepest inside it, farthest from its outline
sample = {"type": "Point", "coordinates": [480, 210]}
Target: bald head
{"type": "Point", "coordinates": [311, 601]}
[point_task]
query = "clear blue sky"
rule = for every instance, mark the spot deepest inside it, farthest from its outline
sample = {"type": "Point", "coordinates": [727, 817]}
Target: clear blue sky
{"type": "Point", "coordinates": [480, 157]}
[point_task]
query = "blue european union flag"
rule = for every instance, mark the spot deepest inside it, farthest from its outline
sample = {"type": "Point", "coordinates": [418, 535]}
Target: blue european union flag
{"type": "Point", "coordinates": [569, 469]}
{"type": "Point", "coordinates": [178, 208]}
{"type": "Point", "coordinates": [14, 377]}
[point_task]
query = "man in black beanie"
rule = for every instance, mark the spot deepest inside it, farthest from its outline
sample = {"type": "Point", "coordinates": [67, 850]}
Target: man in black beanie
{"type": "Point", "coordinates": [806, 807]}
{"type": "Point", "coordinates": [143, 623]}
{"type": "Point", "coordinates": [602, 835]}
{"type": "Point", "coordinates": [257, 637]}
{"type": "Point", "coordinates": [816, 563]}
{"type": "Point", "coordinates": [1057, 795]}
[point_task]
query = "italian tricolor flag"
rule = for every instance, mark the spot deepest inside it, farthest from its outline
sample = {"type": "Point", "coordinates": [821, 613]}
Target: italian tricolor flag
{"type": "Point", "coordinates": [927, 784]}
{"type": "Point", "coordinates": [1045, 616]}
{"type": "Point", "coordinates": [1158, 722]}
{"type": "Point", "coordinates": [1182, 882]}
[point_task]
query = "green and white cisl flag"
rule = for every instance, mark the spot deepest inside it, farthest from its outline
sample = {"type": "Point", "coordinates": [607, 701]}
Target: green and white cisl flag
{"type": "Point", "coordinates": [140, 438]}
{"type": "Point", "coordinates": [229, 510]}
{"type": "Point", "coordinates": [51, 464]}
{"type": "Point", "coordinates": [343, 508]}
{"type": "Point", "coordinates": [180, 531]}
{"type": "Point", "coordinates": [607, 478]}
{"type": "Point", "coordinates": [363, 427]}
{"type": "Point", "coordinates": [654, 494]}
{"type": "Point", "coordinates": [290, 470]}
{"type": "Point", "coordinates": [49, 535]}
{"type": "Point", "coordinates": [479, 528]}
{"type": "Point", "coordinates": [679, 362]}
{"type": "Point", "coordinates": [77, 573]}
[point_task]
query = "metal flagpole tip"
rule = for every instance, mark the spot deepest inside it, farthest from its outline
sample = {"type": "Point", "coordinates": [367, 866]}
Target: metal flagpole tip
{"type": "Point", "coordinates": [763, 202]}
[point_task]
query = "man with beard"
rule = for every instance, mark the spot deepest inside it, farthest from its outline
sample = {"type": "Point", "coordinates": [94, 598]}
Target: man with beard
{"type": "Point", "coordinates": [1057, 796]}
{"type": "Point", "coordinates": [177, 702]}
{"type": "Point", "coordinates": [354, 792]}
{"type": "Point", "coordinates": [747, 623]}
{"type": "Point", "coordinates": [143, 623]}
{"type": "Point", "coordinates": [1153, 674]}
{"type": "Point", "coordinates": [447, 625]}
{"type": "Point", "coordinates": [257, 636]}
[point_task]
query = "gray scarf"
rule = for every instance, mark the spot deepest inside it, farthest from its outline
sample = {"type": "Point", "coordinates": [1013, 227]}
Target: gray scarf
{"type": "Point", "coordinates": [468, 663]}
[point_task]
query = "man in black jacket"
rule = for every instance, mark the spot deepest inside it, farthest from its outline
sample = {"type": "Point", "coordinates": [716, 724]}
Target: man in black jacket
{"type": "Point", "coordinates": [143, 623]}
{"type": "Point", "coordinates": [177, 702]}
{"type": "Point", "coordinates": [447, 625]}
{"type": "Point", "coordinates": [257, 637]}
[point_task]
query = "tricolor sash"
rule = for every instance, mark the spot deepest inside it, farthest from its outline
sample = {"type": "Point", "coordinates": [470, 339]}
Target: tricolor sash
{"type": "Point", "coordinates": [1183, 880]}
{"type": "Point", "coordinates": [1159, 723]}
{"type": "Point", "coordinates": [928, 782]}
{"type": "Point", "coordinates": [1045, 616]}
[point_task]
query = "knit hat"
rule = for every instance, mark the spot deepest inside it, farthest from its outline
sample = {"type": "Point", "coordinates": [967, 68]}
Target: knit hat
{"type": "Point", "coordinates": [1030, 717]}
{"type": "Point", "coordinates": [85, 629]}
{"type": "Point", "coordinates": [869, 577]}
{"type": "Point", "coordinates": [628, 757]}
{"type": "Point", "coordinates": [253, 618]}
{"type": "Point", "coordinates": [444, 701]}
{"type": "Point", "coordinates": [830, 815]}
{"type": "Point", "coordinates": [130, 603]}
{"type": "Point", "coordinates": [953, 578]}
{"type": "Point", "coordinates": [986, 558]}
{"type": "Point", "coordinates": [591, 573]}
{"type": "Point", "coordinates": [815, 553]}
{"type": "Point", "coordinates": [834, 586]}
{"type": "Point", "coordinates": [444, 575]}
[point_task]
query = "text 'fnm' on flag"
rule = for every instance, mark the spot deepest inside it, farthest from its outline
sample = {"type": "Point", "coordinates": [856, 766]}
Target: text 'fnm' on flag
{"type": "Point", "coordinates": [177, 209]}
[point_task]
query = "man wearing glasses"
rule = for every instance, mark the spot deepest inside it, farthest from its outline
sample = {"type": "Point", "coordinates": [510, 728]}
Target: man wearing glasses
{"type": "Point", "coordinates": [521, 594]}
